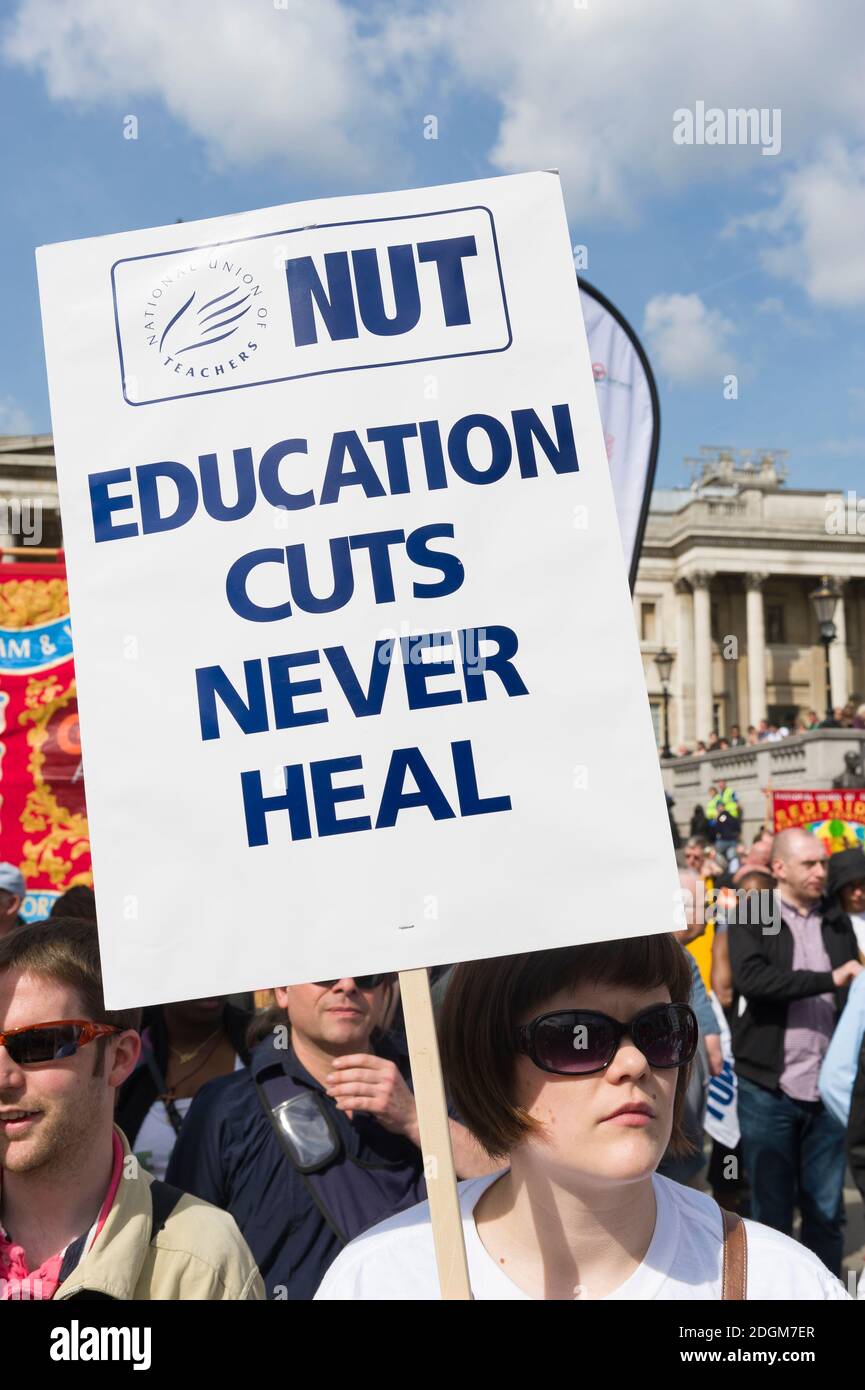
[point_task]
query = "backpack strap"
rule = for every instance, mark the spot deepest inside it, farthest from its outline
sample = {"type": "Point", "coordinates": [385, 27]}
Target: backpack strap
{"type": "Point", "coordinates": [164, 1199]}
{"type": "Point", "coordinates": [271, 1092]}
{"type": "Point", "coordinates": [734, 1278]}
{"type": "Point", "coordinates": [174, 1115]}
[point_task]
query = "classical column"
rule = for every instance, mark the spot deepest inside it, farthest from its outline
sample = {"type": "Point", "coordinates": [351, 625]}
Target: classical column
{"type": "Point", "coordinates": [701, 582]}
{"type": "Point", "coordinates": [756, 633]}
{"type": "Point", "coordinates": [684, 668]}
{"type": "Point", "coordinates": [838, 650]}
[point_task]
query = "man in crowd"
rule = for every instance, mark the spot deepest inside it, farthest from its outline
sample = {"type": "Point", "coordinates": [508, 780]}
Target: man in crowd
{"type": "Point", "coordinates": [79, 1218]}
{"type": "Point", "coordinates": [793, 975]}
{"type": "Point", "coordinates": [317, 1140]}
{"type": "Point", "coordinates": [694, 909]}
{"type": "Point", "coordinates": [674, 829]}
{"type": "Point", "coordinates": [12, 892]}
{"type": "Point", "coordinates": [701, 860]}
{"type": "Point", "coordinates": [687, 1169]}
{"type": "Point", "coordinates": [748, 898]}
{"type": "Point", "coordinates": [724, 815]}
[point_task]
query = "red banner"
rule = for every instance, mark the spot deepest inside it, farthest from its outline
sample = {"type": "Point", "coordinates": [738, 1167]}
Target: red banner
{"type": "Point", "coordinates": [836, 817]}
{"type": "Point", "coordinates": [43, 817]}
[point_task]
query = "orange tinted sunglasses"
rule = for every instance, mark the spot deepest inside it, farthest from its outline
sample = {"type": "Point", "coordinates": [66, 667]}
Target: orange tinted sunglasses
{"type": "Point", "coordinates": [50, 1042]}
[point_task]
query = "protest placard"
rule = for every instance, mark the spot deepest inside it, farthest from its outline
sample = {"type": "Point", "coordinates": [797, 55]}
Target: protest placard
{"type": "Point", "coordinates": [359, 683]}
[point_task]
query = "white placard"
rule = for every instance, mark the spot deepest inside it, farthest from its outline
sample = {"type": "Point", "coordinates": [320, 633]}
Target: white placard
{"type": "Point", "coordinates": [289, 444]}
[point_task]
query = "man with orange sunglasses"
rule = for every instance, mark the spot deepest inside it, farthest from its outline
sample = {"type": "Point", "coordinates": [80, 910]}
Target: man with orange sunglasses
{"type": "Point", "coordinates": [78, 1217]}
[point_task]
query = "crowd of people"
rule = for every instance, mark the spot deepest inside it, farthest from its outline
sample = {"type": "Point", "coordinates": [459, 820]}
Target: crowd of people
{"type": "Point", "coordinates": [849, 716]}
{"type": "Point", "coordinates": [209, 1149]}
{"type": "Point", "coordinates": [786, 957]}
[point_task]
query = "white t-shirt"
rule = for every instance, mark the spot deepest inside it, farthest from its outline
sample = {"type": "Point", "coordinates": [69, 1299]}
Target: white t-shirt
{"type": "Point", "coordinates": [154, 1142]}
{"type": "Point", "coordinates": [396, 1259]}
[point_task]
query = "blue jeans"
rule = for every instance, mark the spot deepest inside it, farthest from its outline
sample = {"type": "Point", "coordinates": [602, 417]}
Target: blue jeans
{"type": "Point", "coordinates": [794, 1153]}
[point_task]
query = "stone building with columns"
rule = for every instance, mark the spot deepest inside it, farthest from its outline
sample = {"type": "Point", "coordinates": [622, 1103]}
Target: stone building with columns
{"type": "Point", "coordinates": [29, 505]}
{"type": "Point", "coordinates": [726, 571]}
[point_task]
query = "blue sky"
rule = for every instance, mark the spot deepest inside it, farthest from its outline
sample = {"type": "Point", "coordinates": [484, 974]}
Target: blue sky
{"type": "Point", "coordinates": [724, 259]}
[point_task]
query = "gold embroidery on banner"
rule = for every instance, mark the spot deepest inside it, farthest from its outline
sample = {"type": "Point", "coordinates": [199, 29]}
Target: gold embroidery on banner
{"type": "Point", "coordinates": [66, 833]}
{"type": "Point", "coordinates": [28, 602]}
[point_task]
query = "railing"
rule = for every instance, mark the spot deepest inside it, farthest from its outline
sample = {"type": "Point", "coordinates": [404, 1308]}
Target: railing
{"type": "Point", "coordinates": [807, 760]}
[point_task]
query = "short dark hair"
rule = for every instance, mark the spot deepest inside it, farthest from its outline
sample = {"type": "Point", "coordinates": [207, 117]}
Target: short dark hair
{"type": "Point", "coordinates": [66, 950]}
{"type": "Point", "coordinates": [486, 999]}
{"type": "Point", "coordinates": [78, 901]}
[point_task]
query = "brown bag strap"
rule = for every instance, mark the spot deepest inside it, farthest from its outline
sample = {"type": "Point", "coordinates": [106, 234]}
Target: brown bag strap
{"type": "Point", "coordinates": [734, 1281]}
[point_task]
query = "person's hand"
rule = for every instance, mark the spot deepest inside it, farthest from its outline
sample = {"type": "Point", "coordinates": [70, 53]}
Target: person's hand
{"type": "Point", "coordinates": [714, 1053]}
{"type": "Point", "coordinates": [365, 1082]}
{"type": "Point", "coordinates": [843, 974]}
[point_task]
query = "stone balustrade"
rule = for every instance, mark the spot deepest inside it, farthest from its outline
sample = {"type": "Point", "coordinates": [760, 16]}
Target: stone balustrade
{"type": "Point", "coordinates": [808, 761]}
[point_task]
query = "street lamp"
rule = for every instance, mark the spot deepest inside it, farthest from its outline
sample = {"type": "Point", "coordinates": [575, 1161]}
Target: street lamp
{"type": "Point", "coordinates": [664, 663]}
{"type": "Point", "coordinates": [824, 601]}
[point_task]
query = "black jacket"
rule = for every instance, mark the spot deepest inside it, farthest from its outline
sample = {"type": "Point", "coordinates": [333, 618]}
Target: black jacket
{"type": "Point", "coordinates": [844, 867]}
{"type": "Point", "coordinates": [139, 1090]}
{"type": "Point", "coordinates": [228, 1154]}
{"type": "Point", "coordinates": [762, 965]}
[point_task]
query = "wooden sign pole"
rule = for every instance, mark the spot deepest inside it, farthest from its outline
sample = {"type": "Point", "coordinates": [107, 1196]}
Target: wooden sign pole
{"type": "Point", "coordinates": [429, 1094]}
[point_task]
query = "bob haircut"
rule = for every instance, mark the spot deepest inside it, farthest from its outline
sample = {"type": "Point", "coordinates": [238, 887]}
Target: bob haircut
{"type": "Point", "coordinates": [486, 1000]}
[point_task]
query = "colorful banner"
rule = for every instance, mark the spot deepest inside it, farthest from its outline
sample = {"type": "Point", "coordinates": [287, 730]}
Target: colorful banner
{"type": "Point", "coordinates": [835, 817]}
{"type": "Point", "coordinates": [43, 818]}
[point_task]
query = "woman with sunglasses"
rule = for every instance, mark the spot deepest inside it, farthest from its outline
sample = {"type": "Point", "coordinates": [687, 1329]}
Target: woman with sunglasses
{"type": "Point", "coordinates": [571, 1066]}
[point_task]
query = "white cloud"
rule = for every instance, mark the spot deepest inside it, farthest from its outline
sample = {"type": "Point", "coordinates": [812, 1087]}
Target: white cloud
{"type": "Point", "coordinates": [592, 91]}
{"type": "Point", "coordinates": [13, 420]}
{"type": "Point", "coordinates": [775, 309]}
{"type": "Point", "coordinates": [817, 228]}
{"type": "Point", "coordinates": [689, 341]}
{"type": "Point", "coordinates": [335, 86]}
{"type": "Point", "coordinates": [297, 86]}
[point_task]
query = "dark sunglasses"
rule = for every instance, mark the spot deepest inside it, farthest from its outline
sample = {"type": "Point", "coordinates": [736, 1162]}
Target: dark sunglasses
{"type": "Point", "coordinates": [577, 1042]}
{"type": "Point", "coordinates": [49, 1042]}
{"type": "Point", "coordinates": [362, 981]}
